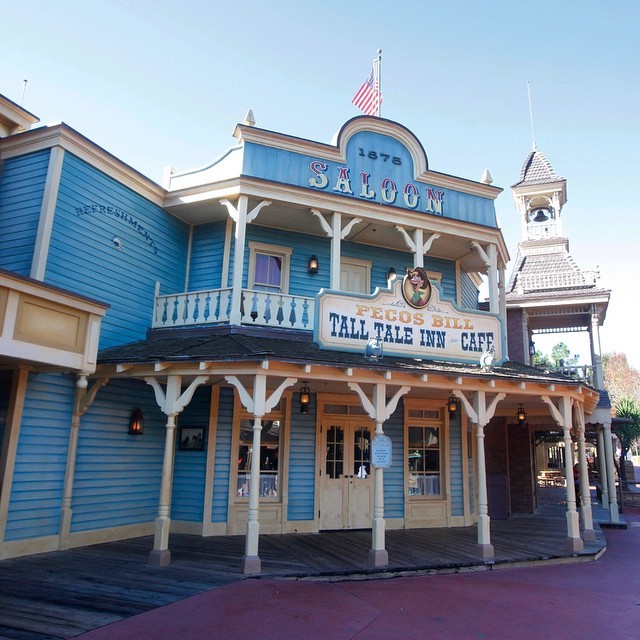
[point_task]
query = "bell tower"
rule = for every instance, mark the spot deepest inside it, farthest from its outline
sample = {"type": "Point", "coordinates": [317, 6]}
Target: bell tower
{"type": "Point", "coordinates": [539, 196]}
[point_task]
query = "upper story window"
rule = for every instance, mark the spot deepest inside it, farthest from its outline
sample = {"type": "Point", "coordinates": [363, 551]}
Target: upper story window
{"type": "Point", "coordinates": [269, 267]}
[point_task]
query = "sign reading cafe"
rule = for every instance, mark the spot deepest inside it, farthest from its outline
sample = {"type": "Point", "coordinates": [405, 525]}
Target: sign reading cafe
{"type": "Point", "coordinates": [410, 320]}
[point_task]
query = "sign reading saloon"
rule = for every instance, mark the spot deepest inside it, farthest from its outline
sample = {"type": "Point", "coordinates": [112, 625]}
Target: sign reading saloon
{"type": "Point", "coordinates": [378, 169]}
{"type": "Point", "coordinates": [436, 329]}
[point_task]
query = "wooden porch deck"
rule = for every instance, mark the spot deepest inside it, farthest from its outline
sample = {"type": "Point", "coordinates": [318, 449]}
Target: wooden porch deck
{"type": "Point", "coordinates": [62, 594]}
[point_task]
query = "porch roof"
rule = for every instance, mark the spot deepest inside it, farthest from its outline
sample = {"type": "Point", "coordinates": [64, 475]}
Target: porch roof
{"type": "Point", "coordinates": [240, 344]}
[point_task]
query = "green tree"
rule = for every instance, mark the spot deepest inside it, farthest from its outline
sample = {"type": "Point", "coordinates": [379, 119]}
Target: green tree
{"type": "Point", "coordinates": [627, 433]}
{"type": "Point", "coordinates": [560, 357]}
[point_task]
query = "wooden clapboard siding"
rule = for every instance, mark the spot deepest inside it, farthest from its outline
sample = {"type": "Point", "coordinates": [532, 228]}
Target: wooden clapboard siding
{"type": "Point", "coordinates": [36, 490]}
{"type": "Point", "coordinates": [22, 183]}
{"type": "Point", "coordinates": [207, 252]}
{"type": "Point", "coordinates": [190, 466]}
{"type": "Point", "coordinates": [220, 505]}
{"type": "Point", "coordinates": [118, 475]}
{"type": "Point", "coordinates": [469, 297]}
{"type": "Point", "coordinates": [456, 499]}
{"type": "Point", "coordinates": [302, 462]}
{"type": "Point", "coordinates": [83, 258]}
{"type": "Point", "coordinates": [394, 476]}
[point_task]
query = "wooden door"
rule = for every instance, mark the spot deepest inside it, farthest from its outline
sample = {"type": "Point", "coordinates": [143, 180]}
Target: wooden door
{"type": "Point", "coordinates": [346, 483]}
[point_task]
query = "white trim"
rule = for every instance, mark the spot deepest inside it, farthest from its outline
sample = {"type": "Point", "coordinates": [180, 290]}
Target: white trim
{"type": "Point", "coordinates": [274, 250]}
{"type": "Point", "coordinates": [47, 213]}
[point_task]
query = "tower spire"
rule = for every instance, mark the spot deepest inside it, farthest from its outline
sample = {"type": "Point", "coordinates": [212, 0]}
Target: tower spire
{"type": "Point", "coordinates": [533, 135]}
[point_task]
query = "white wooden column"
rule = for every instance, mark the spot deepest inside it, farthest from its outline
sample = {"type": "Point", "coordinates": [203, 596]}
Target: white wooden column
{"type": "Point", "coordinates": [490, 259]}
{"type": "Point", "coordinates": [562, 415]}
{"type": "Point", "coordinates": [241, 218]}
{"type": "Point", "coordinates": [596, 354]}
{"type": "Point", "coordinates": [259, 405]}
{"type": "Point", "coordinates": [602, 467]}
{"type": "Point", "coordinates": [611, 480]}
{"type": "Point", "coordinates": [82, 401]}
{"type": "Point", "coordinates": [379, 411]}
{"type": "Point", "coordinates": [171, 402]}
{"type": "Point", "coordinates": [417, 245]}
{"type": "Point", "coordinates": [587, 518]}
{"type": "Point", "coordinates": [337, 235]}
{"type": "Point", "coordinates": [480, 414]}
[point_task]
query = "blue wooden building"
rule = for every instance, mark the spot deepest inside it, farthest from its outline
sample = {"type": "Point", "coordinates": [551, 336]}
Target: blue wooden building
{"type": "Point", "coordinates": [286, 340]}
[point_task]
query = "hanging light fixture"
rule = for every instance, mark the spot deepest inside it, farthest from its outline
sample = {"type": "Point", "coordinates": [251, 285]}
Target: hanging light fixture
{"type": "Point", "coordinates": [452, 406]}
{"type": "Point", "coordinates": [521, 415]}
{"type": "Point", "coordinates": [305, 398]}
{"type": "Point", "coordinates": [391, 274]}
{"type": "Point", "coordinates": [136, 422]}
{"type": "Point", "coordinates": [313, 265]}
{"type": "Point", "coordinates": [532, 348]}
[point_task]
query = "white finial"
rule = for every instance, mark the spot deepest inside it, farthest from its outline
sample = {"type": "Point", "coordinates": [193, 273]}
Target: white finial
{"type": "Point", "coordinates": [486, 177]}
{"type": "Point", "coordinates": [533, 136]}
{"type": "Point", "coordinates": [249, 119]}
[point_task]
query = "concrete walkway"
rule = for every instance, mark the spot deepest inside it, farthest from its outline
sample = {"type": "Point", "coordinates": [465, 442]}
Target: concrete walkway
{"type": "Point", "coordinates": [589, 601]}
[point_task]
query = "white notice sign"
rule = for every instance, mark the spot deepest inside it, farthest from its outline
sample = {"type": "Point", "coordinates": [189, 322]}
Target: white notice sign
{"type": "Point", "coordinates": [381, 452]}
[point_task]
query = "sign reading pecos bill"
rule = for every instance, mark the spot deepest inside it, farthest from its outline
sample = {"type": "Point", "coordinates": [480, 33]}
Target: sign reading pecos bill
{"type": "Point", "coordinates": [407, 326]}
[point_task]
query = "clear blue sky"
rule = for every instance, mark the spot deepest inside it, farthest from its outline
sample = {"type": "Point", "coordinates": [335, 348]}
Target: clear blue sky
{"type": "Point", "coordinates": [164, 83]}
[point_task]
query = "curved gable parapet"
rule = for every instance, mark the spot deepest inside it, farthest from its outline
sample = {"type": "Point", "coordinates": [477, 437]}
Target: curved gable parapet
{"type": "Point", "coordinates": [384, 127]}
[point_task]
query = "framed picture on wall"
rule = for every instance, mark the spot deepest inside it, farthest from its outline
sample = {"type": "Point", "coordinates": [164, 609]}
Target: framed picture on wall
{"type": "Point", "coordinates": [191, 439]}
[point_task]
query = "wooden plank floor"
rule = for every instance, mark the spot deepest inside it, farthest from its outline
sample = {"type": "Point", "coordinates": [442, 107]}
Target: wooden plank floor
{"type": "Point", "coordinates": [64, 593]}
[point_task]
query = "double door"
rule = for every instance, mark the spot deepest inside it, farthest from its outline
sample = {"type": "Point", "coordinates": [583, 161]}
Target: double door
{"type": "Point", "coordinates": [345, 474]}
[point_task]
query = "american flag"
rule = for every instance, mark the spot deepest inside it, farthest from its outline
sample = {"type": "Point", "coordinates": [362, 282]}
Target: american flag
{"type": "Point", "coordinates": [368, 98]}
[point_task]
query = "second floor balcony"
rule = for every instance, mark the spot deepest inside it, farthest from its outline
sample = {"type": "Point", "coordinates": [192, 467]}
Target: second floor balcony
{"type": "Point", "coordinates": [214, 307]}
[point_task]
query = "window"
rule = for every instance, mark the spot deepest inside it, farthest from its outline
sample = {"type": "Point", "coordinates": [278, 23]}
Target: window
{"type": "Point", "coordinates": [423, 460]}
{"type": "Point", "coordinates": [269, 458]}
{"type": "Point", "coordinates": [268, 268]}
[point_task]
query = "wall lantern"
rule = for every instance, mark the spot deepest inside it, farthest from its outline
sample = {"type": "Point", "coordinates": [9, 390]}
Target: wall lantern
{"type": "Point", "coordinates": [521, 415]}
{"type": "Point", "coordinates": [532, 348]}
{"type": "Point", "coordinates": [452, 406]}
{"type": "Point", "coordinates": [313, 265]}
{"type": "Point", "coordinates": [391, 274]}
{"type": "Point", "coordinates": [373, 349]}
{"type": "Point", "coordinates": [305, 398]}
{"type": "Point", "coordinates": [136, 423]}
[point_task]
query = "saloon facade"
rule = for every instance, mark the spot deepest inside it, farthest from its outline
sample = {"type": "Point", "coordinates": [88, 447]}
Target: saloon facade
{"type": "Point", "coordinates": [285, 340]}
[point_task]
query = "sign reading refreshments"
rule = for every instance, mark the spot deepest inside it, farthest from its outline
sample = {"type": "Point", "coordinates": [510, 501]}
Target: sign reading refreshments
{"type": "Point", "coordinates": [418, 327]}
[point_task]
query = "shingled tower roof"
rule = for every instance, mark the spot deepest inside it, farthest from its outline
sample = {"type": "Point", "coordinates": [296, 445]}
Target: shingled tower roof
{"type": "Point", "coordinates": [537, 170]}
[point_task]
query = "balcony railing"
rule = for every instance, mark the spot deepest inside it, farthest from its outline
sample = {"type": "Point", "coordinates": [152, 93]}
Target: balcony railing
{"type": "Point", "coordinates": [213, 306]}
{"type": "Point", "coordinates": [582, 372]}
{"type": "Point", "coordinates": [192, 308]}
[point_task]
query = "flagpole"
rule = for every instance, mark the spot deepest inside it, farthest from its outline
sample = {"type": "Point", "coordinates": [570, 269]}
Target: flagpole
{"type": "Point", "coordinates": [379, 83]}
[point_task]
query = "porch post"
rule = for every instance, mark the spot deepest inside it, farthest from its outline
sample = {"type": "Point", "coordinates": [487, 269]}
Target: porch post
{"type": "Point", "coordinates": [611, 480]}
{"type": "Point", "coordinates": [574, 541]}
{"type": "Point", "coordinates": [602, 468]}
{"type": "Point", "coordinates": [336, 243]}
{"type": "Point", "coordinates": [239, 216]}
{"type": "Point", "coordinates": [484, 521]}
{"type": "Point", "coordinates": [160, 555]}
{"type": "Point", "coordinates": [379, 410]}
{"type": "Point", "coordinates": [563, 417]}
{"type": "Point", "coordinates": [587, 518]}
{"type": "Point", "coordinates": [378, 555]}
{"type": "Point", "coordinates": [171, 402]}
{"type": "Point", "coordinates": [82, 402]}
{"type": "Point", "coordinates": [251, 562]}
{"type": "Point", "coordinates": [480, 414]}
{"type": "Point", "coordinates": [259, 405]}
